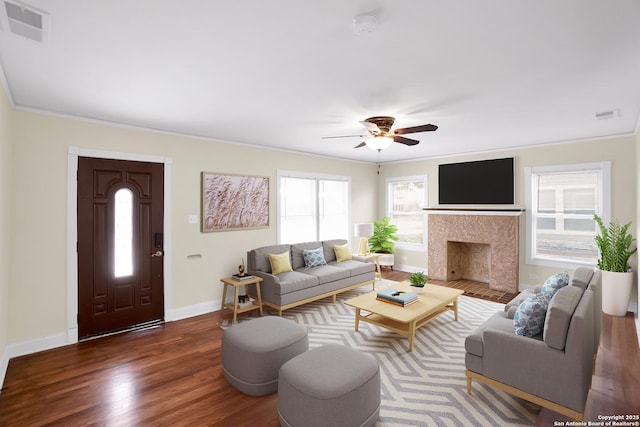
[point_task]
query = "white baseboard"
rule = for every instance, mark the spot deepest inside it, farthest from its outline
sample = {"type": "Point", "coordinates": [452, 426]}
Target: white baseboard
{"type": "Point", "coordinates": [4, 365]}
{"type": "Point", "coordinates": [192, 310]}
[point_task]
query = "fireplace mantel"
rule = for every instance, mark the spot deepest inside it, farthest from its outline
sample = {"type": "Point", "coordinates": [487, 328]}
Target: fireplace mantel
{"type": "Point", "coordinates": [497, 230]}
{"type": "Point", "coordinates": [503, 211]}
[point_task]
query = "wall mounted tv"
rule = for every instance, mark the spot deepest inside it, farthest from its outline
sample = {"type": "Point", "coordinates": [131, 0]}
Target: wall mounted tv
{"type": "Point", "coordinates": [484, 182]}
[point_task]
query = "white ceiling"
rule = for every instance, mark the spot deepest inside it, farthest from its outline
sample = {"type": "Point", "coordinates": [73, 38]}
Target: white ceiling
{"type": "Point", "coordinates": [491, 74]}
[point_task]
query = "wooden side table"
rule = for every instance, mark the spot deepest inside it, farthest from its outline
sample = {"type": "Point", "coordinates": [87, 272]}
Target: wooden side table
{"type": "Point", "coordinates": [230, 281]}
{"type": "Point", "coordinates": [370, 256]}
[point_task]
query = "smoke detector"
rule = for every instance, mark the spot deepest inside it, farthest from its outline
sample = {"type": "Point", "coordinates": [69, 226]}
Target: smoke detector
{"type": "Point", "coordinates": [25, 21]}
{"type": "Point", "coordinates": [364, 24]}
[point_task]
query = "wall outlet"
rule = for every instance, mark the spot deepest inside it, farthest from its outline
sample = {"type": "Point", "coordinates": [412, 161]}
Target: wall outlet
{"type": "Point", "coordinates": [533, 276]}
{"type": "Point", "coordinates": [193, 219]}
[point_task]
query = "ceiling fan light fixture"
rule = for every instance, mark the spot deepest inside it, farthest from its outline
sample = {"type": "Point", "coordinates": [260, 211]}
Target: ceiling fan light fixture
{"type": "Point", "coordinates": [379, 143]}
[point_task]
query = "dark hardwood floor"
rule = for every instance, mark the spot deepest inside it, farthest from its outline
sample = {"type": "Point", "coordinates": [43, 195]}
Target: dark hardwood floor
{"type": "Point", "coordinates": [170, 375]}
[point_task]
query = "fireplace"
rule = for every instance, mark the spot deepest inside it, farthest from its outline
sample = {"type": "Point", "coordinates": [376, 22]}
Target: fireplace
{"type": "Point", "coordinates": [475, 245]}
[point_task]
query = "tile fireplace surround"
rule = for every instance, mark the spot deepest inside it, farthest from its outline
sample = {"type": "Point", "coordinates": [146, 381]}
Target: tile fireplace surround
{"type": "Point", "coordinates": [478, 245]}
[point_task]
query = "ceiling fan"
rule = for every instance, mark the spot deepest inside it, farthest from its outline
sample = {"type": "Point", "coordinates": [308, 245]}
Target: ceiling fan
{"type": "Point", "coordinates": [381, 136]}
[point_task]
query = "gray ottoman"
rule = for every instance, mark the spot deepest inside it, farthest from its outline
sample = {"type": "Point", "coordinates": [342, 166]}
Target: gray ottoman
{"type": "Point", "coordinates": [329, 386]}
{"type": "Point", "coordinates": [253, 352]}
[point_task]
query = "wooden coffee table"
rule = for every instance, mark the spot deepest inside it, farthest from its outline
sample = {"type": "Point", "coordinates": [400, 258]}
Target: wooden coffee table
{"type": "Point", "coordinates": [434, 301]}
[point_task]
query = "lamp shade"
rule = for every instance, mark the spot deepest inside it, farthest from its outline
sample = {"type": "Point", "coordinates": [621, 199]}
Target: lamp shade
{"type": "Point", "coordinates": [379, 143]}
{"type": "Point", "coordinates": [363, 230]}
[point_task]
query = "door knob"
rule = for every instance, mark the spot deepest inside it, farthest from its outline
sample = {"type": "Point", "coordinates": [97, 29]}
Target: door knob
{"type": "Point", "coordinates": [157, 254]}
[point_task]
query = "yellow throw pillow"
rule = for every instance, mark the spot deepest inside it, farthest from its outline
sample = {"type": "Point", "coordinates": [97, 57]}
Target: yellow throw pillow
{"type": "Point", "coordinates": [343, 253]}
{"type": "Point", "coordinates": [280, 263]}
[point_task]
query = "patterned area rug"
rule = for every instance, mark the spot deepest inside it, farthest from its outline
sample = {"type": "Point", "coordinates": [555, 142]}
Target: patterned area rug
{"type": "Point", "coordinates": [426, 387]}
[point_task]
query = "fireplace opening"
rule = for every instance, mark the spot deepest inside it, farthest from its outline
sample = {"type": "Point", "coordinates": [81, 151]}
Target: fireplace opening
{"type": "Point", "coordinates": [467, 260]}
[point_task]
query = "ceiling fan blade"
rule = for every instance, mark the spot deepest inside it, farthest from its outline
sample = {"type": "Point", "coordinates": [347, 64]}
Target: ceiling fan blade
{"type": "Point", "coordinates": [371, 127]}
{"type": "Point", "coordinates": [415, 129]}
{"type": "Point", "coordinates": [345, 136]}
{"type": "Point", "coordinates": [362, 144]}
{"type": "Point", "coordinates": [405, 141]}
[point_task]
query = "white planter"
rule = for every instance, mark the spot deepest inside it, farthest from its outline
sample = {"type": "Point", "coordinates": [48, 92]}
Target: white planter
{"type": "Point", "coordinates": [616, 292]}
{"type": "Point", "coordinates": [386, 260]}
{"type": "Point", "coordinates": [416, 290]}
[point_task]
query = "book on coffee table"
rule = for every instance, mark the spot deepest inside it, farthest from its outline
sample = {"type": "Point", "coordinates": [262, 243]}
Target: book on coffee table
{"type": "Point", "coordinates": [397, 297]}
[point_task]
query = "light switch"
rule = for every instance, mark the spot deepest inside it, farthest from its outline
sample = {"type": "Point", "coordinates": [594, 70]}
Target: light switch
{"type": "Point", "coordinates": [193, 219]}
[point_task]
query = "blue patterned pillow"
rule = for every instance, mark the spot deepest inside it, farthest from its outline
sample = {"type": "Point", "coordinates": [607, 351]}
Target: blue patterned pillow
{"type": "Point", "coordinates": [555, 282]}
{"type": "Point", "coordinates": [529, 318]}
{"type": "Point", "coordinates": [313, 257]}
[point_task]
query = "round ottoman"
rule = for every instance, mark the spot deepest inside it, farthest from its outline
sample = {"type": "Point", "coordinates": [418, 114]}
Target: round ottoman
{"type": "Point", "coordinates": [331, 385]}
{"type": "Point", "coordinates": [253, 352]}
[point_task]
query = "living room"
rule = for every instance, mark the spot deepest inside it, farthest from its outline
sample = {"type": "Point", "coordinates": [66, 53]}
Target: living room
{"type": "Point", "coordinates": [37, 148]}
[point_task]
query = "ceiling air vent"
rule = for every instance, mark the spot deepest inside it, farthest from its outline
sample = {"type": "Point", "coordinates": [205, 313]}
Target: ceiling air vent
{"type": "Point", "coordinates": [25, 21]}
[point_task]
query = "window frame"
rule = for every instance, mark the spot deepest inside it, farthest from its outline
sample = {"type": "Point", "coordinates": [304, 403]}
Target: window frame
{"type": "Point", "coordinates": [317, 177]}
{"type": "Point", "coordinates": [531, 207]}
{"type": "Point", "coordinates": [389, 209]}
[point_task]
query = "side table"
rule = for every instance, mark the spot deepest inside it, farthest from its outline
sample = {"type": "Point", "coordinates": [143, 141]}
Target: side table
{"type": "Point", "coordinates": [370, 256]}
{"type": "Point", "coordinates": [230, 281]}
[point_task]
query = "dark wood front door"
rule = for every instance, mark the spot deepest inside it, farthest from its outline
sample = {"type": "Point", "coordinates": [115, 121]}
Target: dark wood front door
{"type": "Point", "coordinates": [120, 244]}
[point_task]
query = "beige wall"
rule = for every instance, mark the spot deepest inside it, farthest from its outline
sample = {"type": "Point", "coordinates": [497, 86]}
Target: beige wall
{"type": "Point", "coordinates": [5, 226]}
{"type": "Point", "coordinates": [620, 151]}
{"type": "Point", "coordinates": [38, 290]}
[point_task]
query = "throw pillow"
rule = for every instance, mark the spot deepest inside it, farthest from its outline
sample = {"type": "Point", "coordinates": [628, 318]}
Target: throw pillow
{"type": "Point", "coordinates": [313, 257]}
{"type": "Point", "coordinates": [280, 263]}
{"type": "Point", "coordinates": [343, 253]}
{"type": "Point", "coordinates": [555, 282]}
{"type": "Point", "coordinates": [528, 319]}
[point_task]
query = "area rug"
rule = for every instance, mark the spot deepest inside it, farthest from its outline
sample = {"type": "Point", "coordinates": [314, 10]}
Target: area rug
{"type": "Point", "coordinates": [426, 387]}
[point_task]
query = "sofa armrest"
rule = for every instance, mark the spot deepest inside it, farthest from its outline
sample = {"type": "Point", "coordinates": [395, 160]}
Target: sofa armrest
{"type": "Point", "coordinates": [532, 366]}
{"type": "Point", "coordinates": [268, 279]}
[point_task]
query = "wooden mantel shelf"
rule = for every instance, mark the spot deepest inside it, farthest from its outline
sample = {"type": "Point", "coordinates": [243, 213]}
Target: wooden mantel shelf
{"type": "Point", "coordinates": [475, 210]}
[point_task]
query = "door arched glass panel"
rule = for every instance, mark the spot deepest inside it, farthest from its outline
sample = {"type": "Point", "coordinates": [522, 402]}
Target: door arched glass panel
{"type": "Point", "coordinates": [123, 233]}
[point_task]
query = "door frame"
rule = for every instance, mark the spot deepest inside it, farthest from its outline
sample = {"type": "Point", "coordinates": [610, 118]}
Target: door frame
{"type": "Point", "coordinates": [72, 228]}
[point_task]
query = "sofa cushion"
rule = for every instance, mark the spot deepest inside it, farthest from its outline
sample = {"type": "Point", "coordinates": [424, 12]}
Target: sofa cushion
{"type": "Point", "coordinates": [555, 282]}
{"type": "Point", "coordinates": [354, 267]}
{"type": "Point", "coordinates": [329, 253]}
{"type": "Point", "coordinates": [581, 277]}
{"type": "Point", "coordinates": [313, 257]}
{"type": "Point", "coordinates": [328, 273]}
{"type": "Point", "coordinates": [473, 343]}
{"type": "Point", "coordinates": [280, 263]}
{"type": "Point", "coordinates": [297, 257]}
{"type": "Point", "coordinates": [528, 319]}
{"type": "Point", "coordinates": [559, 313]}
{"type": "Point", "coordinates": [343, 252]}
{"type": "Point", "coordinates": [293, 281]}
{"type": "Point", "coordinates": [258, 259]}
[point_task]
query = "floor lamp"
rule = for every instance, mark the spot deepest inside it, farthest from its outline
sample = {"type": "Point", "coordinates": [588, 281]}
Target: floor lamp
{"type": "Point", "coordinates": [364, 231]}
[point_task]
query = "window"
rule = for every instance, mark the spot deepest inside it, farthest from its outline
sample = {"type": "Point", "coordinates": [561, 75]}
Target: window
{"type": "Point", "coordinates": [406, 199]}
{"type": "Point", "coordinates": [312, 207]}
{"type": "Point", "coordinates": [123, 233]}
{"type": "Point", "coordinates": [561, 202]}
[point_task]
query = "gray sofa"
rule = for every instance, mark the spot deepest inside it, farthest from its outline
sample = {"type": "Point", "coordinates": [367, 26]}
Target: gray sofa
{"type": "Point", "coordinates": [552, 369]}
{"type": "Point", "coordinates": [303, 285]}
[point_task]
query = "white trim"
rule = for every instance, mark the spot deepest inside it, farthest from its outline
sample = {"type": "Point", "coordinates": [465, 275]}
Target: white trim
{"type": "Point", "coordinates": [71, 335]}
{"type": "Point", "coordinates": [425, 199]}
{"type": "Point", "coordinates": [194, 310]}
{"type": "Point", "coordinates": [472, 212]}
{"type": "Point", "coordinates": [316, 177]}
{"type": "Point", "coordinates": [605, 203]}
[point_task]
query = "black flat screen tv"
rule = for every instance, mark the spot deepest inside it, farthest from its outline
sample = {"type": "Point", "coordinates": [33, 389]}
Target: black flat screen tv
{"type": "Point", "coordinates": [483, 182]}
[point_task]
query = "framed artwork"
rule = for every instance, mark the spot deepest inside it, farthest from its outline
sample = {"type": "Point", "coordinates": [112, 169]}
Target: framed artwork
{"type": "Point", "coordinates": [234, 202]}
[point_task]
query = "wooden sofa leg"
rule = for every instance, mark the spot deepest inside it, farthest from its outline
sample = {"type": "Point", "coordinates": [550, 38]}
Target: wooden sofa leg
{"type": "Point", "coordinates": [468, 385]}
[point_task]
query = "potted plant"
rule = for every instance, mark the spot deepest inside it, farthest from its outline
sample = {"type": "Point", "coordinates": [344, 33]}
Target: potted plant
{"type": "Point", "coordinates": [417, 282]}
{"type": "Point", "coordinates": [614, 244]}
{"type": "Point", "coordinates": [383, 241]}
